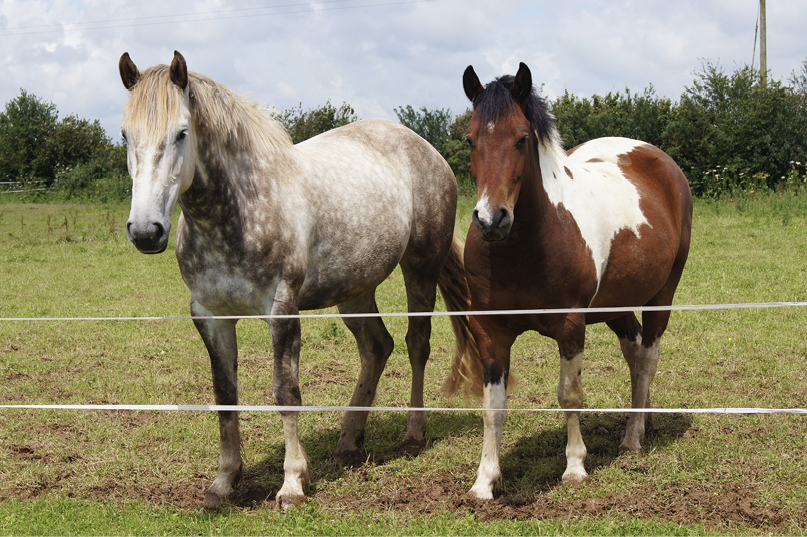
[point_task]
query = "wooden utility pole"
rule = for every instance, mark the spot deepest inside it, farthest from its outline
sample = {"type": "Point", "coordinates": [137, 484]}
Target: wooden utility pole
{"type": "Point", "coordinates": [763, 48]}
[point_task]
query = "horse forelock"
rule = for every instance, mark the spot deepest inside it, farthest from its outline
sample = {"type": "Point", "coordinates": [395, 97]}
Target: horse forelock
{"type": "Point", "coordinates": [497, 100]}
{"type": "Point", "coordinates": [153, 107]}
{"type": "Point", "coordinates": [220, 116]}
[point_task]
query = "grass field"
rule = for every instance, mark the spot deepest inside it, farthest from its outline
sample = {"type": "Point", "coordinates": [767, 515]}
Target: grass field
{"type": "Point", "coordinates": [121, 472]}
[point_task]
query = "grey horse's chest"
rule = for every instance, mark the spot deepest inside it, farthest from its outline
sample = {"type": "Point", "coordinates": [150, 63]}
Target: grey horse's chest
{"type": "Point", "coordinates": [226, 273]}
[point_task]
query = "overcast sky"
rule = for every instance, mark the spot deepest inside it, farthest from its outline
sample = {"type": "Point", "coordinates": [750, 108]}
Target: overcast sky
{"type": "Point", "coordinates": [380, 54]}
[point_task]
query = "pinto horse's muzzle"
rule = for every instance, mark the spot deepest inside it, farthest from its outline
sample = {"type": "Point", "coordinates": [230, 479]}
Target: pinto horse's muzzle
{"type": "Point", "coordinates": [151, 238]}
{"type": "Point", "coordinates": [493, 227]}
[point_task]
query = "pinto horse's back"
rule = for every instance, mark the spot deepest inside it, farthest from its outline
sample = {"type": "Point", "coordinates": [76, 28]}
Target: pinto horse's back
{"type": "Point", "coordinates": [660, 245]}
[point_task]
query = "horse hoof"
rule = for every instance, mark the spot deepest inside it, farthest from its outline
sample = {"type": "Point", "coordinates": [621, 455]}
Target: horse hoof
{"type": "Point", "coordinates": [479, 495]}
{"type": "Point", "coordinates": [574, 481]}
{"type": "Point", "coordinates": [286, 501]}
{"type": "Point", "coordinates": [352, 459]}
{"type": "Point", "coordinates": [628, 449]}
{"type": "Point", "coordinates": [213, 502]}
{"type": "Point", "coordinates": [412, 446]}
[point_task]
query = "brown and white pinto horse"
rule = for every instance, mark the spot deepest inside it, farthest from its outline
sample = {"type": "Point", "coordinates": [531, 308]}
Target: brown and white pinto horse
{"type": "Point", "coordinates": [607, 225]}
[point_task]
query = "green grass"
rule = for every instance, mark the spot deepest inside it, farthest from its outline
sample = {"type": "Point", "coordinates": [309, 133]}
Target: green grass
{"type": "Point", "coordinates": [92, 472]}
{"type": "Point", "coordinates": [61, 517]}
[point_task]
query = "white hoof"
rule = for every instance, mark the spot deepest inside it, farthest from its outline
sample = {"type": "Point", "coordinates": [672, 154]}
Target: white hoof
{"type": "Point", "coordinates": [481, 492]}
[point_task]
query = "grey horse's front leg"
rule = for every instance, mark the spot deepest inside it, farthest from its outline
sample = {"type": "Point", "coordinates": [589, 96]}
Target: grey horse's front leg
{"type": "Point", "coordinates": [220, 339]}
{"type": "Point", "coordinates": [286, 390]}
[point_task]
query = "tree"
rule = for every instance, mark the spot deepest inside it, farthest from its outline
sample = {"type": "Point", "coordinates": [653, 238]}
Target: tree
{"type": "Point", "coordinates": [431, 125]}
{"type": "Point", "coordinates": [75, 140]}
{"type": "Point", "coordinates": [638, 116]}
{"type": "Point", "coordinates": [25, 126]}
{"type": "Point", "coordinates": [456, 150]}
{"type": "Point", "coordinates": [305, 124]}
{"type": "Point", "coordinates": [750, 130]}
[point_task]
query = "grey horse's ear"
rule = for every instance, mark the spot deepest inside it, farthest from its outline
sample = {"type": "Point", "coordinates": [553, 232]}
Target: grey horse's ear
{"type": "Point", "coordinates": [522, 83]}
{"type": "Point", "coordinates": [471, 84]}
{"type": "Point", "coordinates": [179, 71]}
{"type": "Point", "coordinates": [128, 71]}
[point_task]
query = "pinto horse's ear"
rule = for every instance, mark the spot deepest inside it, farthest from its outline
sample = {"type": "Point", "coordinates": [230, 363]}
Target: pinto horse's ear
{"type": "Point", "coordinates": [522, 83]}
{"type": "Point", "coordinates": [471, 84]}
{"type": "Point", "coordinates": [179, 71]}
{"type": "Point", "coordinates": [128, 71]}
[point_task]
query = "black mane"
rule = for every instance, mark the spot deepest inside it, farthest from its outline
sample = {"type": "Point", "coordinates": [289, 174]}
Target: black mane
{"type": "Point", "coordinates": [497, 99]}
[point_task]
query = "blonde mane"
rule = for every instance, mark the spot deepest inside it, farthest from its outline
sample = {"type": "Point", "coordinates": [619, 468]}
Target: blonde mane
{"type": "Point", "coordinates": [219, 115]}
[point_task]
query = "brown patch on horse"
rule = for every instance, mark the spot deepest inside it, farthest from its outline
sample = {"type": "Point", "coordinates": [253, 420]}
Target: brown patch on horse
{"type": "Point", "coordinates": [569, 172]}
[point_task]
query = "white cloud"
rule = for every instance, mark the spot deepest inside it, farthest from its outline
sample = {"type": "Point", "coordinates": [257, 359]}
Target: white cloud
{"type": "Point", "coordinates": [378, 58]}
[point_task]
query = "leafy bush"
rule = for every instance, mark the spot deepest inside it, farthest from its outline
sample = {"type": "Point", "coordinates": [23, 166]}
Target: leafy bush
{"type": "Point", "coordinates": [103, 178]}
{"type": "Point", "coordinates": [638, 116]}
{"type": "Point", "coordinates": [734, 123]}
{"type": "Point", "coordinates": [305, 124]}
{"type": "Point", "coordinates": [25, 128]}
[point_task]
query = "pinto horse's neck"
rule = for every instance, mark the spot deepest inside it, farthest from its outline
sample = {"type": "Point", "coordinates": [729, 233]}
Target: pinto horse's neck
{"type": "Point", "coordinates": [533, 206]}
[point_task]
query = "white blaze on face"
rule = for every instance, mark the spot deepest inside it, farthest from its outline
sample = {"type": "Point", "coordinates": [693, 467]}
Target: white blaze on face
{"type": "Point", "coordinates": [598, 195]}
{"type": "Point", "coordinates": [483, 209]}
{"type": "Point", "coordinates": [160, 171]}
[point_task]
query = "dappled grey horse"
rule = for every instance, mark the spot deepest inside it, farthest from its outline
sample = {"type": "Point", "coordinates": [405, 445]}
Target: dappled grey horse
{"type": "Point", "coordinates": [268, 227]}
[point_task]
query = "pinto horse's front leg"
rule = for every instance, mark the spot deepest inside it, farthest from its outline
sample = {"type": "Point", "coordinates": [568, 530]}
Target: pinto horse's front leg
{"type": "Point", "coordinates": [570, 395]}
{"type": "Point", "coordinates": [286, 391]}
{"type": "Point", "coordinates": [496, 365]}
{"type": "Point", "coordinates": [220, 339]}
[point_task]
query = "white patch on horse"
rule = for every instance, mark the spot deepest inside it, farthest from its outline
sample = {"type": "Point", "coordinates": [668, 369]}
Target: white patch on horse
{"type": "Point", "coordinates": [494, 403]}
{"type": "Point", "coordinates": [600, 198]}
{"type": "Point", "coordinates": [483, 210]}
{"type": "Point", "coordinates": [491, 126]}
{"type": "Point", "coordinates": [570, 395]}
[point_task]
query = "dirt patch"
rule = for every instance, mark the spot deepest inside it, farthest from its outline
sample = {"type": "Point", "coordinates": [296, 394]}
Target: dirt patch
{"type": "Point", "coordinates": [720, 506]}
{"type": "Point", "coordinates": [686, 505]}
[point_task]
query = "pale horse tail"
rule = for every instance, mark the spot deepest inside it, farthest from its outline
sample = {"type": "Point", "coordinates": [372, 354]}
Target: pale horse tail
{"type": "Point", "coordinates": [467, 369]}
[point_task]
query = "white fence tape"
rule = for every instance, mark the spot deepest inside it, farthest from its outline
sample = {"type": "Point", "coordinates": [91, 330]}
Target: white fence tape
{"type": "Point", "coordinates": [694, 307]}
{"type": "Point", "coordinates": [275, 408]}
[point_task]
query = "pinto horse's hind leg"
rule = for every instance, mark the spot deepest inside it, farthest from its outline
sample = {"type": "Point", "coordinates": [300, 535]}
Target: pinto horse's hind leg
{"type": "Point", "coordinates": [220, 340]}
{"type": "Point", "coordinates": [375, 346]}
{"type": "Point", "coordinates": [642, 355]}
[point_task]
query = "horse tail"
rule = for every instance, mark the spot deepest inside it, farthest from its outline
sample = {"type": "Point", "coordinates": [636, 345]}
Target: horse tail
{"type": "Point", "coordinates": [467, 369]}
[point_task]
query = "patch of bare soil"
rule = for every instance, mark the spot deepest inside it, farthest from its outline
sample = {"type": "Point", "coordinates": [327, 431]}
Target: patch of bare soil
{"type": "Point", "coordinates": [717, 505]}
{"type": "Point", "coordinates": [685, 504]}
{"type": "Point", "coordinates": [721, 506]}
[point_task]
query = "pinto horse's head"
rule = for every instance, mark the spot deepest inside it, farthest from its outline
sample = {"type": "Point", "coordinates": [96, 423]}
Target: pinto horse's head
{"type": "Point", "coordinates": [509, 119]}
{"type": "Point", "coordinates": [157, 128]}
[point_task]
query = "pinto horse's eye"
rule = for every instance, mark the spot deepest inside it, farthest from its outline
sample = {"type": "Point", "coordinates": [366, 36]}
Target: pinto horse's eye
{"type": "Point", "coordinates": [523, 141]}
{"type": "Point", "coordinates": [181, 136]}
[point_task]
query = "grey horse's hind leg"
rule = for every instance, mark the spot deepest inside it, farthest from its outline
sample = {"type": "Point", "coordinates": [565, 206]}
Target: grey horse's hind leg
{"type": "Point", "coordinates": [421, 293]}
{"type": "Point", "coordinates": [375, 346]}
{"type": "Point", "coordinates": [220, 339]}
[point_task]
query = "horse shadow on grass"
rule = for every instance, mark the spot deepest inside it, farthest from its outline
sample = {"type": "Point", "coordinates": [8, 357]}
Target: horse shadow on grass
{"type": "Point", "coordinates": [533, 465]}
{"type": "Point", "coordinates": [260, 482]}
